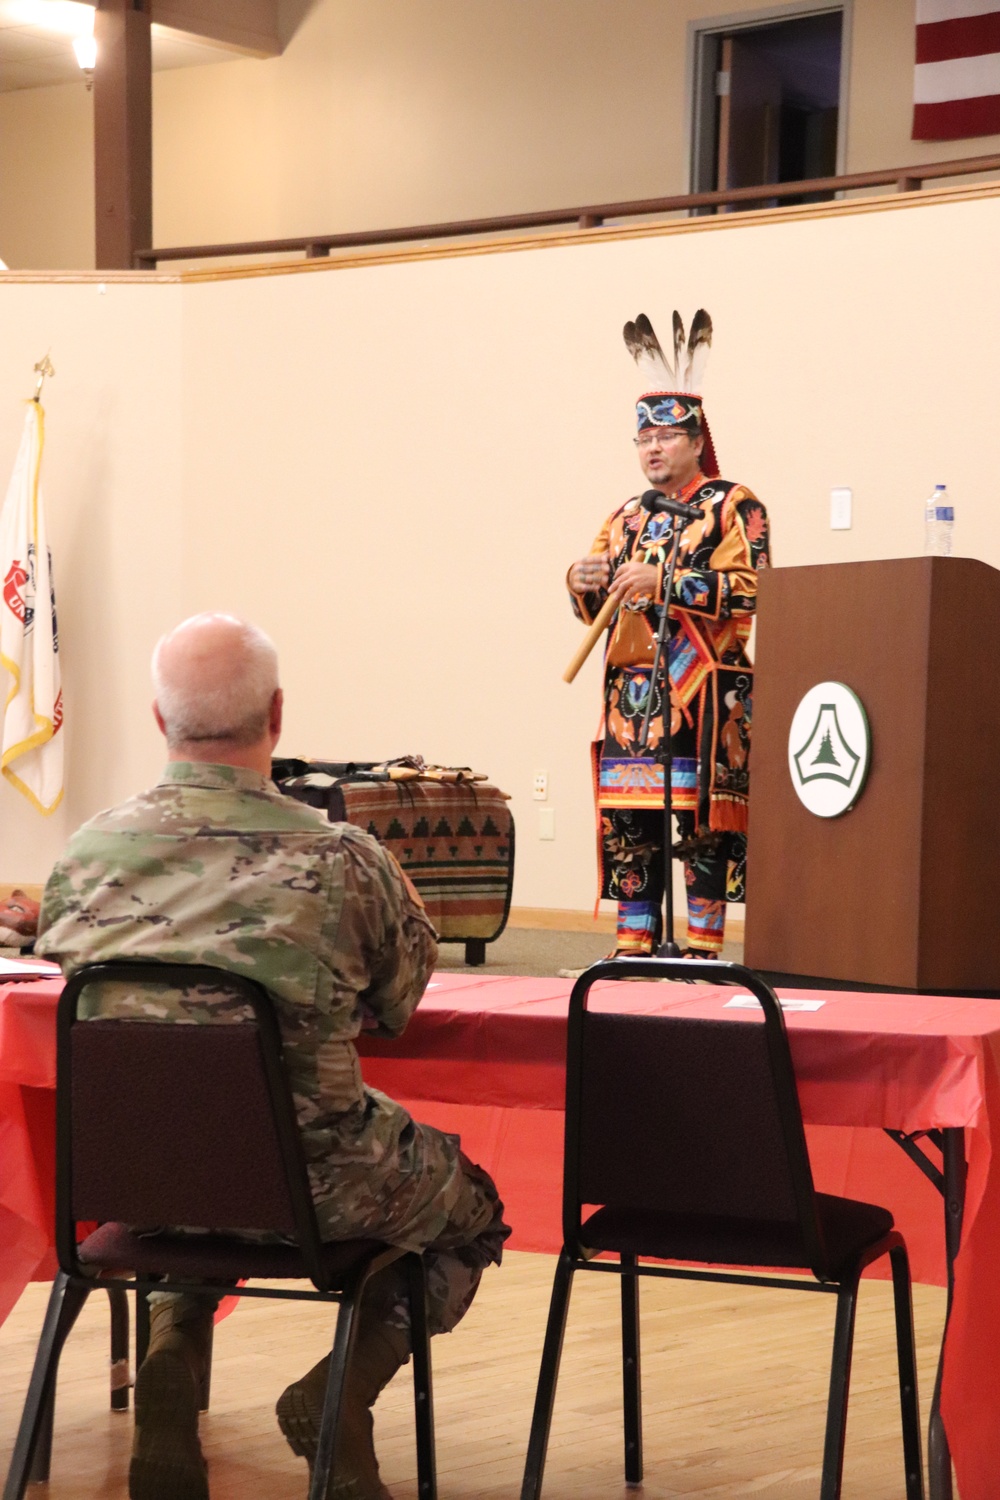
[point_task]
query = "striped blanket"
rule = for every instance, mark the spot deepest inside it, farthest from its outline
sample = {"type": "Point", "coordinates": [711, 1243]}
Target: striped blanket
{"type": "Point", "coordinates": [454, 838]}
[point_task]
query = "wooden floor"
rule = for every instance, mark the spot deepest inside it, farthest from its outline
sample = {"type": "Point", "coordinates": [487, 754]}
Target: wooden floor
{"type": "Point", "coordinates": [734, 1394]}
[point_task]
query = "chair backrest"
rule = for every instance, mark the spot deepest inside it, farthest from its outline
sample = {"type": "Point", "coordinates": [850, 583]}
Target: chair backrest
{"type": "Point", "coordinates": [165, 1123]}
{"type": "Point", "coordinates": [668, 1113]}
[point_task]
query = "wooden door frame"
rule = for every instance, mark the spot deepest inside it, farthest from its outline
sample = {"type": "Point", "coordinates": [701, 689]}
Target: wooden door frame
{"type": "Point", "coordinates": [699, 92]}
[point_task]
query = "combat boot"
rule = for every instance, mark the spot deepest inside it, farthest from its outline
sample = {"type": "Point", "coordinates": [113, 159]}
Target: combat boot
{"type": "Point", "coordinates": [167, 1462]}
{"type": "Point", "coordinates": [380, 1349]}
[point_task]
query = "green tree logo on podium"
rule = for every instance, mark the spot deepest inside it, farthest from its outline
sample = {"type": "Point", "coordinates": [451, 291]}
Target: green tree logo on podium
{"type": "Point", "coordinates": [826, 754]}
{"type": "Point", "coordinates": [829, 749]}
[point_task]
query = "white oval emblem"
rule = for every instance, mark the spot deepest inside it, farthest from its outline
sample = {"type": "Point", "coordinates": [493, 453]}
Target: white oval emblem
{"type": "Point", "coordinates": [829, 747]}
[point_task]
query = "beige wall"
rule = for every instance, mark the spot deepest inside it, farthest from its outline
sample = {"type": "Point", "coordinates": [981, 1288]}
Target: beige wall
{"type": "Point", "coordinates": [380, 114]}
{"type": "Point", "coordinates": [391, 466]}
{"type": "Point", "coordinates": [47, 177]}
{"type": "Point", "coordinates": [111, 480]}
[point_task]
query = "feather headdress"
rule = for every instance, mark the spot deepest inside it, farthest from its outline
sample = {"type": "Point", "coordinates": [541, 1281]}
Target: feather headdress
{"type": "Point", "coordinates": [685, 375]}
{"type": "Point", "coordinates": [671, 391]}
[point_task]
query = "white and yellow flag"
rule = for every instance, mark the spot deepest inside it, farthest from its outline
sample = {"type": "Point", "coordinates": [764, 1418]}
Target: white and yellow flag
{"type": "Point", "coordinates": [32, 742]}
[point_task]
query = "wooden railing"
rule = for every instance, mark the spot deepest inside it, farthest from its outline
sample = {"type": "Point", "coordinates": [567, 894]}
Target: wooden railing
{"type": "Point", "coordinates": [904, 179]}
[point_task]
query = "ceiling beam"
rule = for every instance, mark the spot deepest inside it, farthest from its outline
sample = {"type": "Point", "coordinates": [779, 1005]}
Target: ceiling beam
{"type": "Point", "coordinates": [250, 26]}
{"type": "Point", "coordinates": [123, 132]}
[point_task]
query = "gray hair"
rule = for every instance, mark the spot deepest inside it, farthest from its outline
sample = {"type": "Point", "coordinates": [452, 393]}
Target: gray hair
{"type": "Point", "coordinates": [230, 700]}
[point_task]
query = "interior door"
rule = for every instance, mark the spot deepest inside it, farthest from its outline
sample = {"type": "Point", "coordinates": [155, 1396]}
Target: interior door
{"type": "Point", "coordinates": [749, 117]}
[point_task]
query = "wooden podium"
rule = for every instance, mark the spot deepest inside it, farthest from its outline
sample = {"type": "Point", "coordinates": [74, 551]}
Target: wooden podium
{"type": "Point", "coordinates": [903, 890]}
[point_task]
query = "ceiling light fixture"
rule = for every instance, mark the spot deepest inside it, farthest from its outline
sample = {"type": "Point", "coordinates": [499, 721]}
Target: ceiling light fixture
{"type": "Point", "coordinates": [66, 17]}
{"type": "Point", "coordinates": [85, 48]}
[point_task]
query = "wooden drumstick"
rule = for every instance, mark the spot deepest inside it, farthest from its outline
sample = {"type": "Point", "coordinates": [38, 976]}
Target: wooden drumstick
{"type": "Point", "coordinates": [591, 638]}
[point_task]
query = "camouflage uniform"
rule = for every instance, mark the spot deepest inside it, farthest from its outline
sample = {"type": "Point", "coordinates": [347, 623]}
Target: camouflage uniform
{"type": "Point", "coordinates": [215, 866]}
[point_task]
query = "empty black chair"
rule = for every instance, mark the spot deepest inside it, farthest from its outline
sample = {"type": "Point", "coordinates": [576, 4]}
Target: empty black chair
{"type": "Point", "coordinates": [159, 1123]}
{"type": "Point", "coordinates": [684, 1142]}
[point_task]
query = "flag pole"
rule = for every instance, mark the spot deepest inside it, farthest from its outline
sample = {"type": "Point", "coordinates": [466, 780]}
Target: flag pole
{"type": "Point", "coordinates": [31, 738]}
{"type": "Point", "coordinates": [43, 369]}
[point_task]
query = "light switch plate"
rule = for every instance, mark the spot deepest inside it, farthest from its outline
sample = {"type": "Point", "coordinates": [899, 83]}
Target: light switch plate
{"type": "Point", "coordinates": [546, 822]}
{"type": "Point", "coordinates": [840, 509]}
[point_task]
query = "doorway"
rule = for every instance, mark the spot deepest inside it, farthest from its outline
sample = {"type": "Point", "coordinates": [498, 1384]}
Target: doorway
{"type": "Point", "coordinates": [767, 101]}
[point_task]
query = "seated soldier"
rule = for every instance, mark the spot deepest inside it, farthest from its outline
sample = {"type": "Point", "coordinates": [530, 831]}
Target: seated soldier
{"type": "Point", "coordinates": [213, 865]}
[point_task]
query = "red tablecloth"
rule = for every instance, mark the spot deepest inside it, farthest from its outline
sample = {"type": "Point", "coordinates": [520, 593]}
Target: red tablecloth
{"type": "Point", "coordinates": [484, 1056]}
{"type": "Point", "coordinates": [27, 1136]}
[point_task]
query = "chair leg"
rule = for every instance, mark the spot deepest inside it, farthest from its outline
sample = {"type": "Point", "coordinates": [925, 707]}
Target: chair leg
{"type": "Point", "coordinates": [548, 1374]}
{"type": "Point", "coordinates": [141, 1327]}
{"type": "Point", "coordinates": [205, 1392]}
{"type": "Point", "coordinates": [41, 1462]}
{"type": "Point", "coordinates": [423, 1395]}
{"type": "Point", "coordinates": [333, 1397]}
{"type": "Point", "coordinates": [906, 1358]}
{"type": "Point", "coordinates": [840, 1380]}
{"type": "Point", "coordinates": [30, 1459]}
{"type": "Point", "coordinates": [120, 1372]}
{"type": "Point", "coordinates": [631, 1371]}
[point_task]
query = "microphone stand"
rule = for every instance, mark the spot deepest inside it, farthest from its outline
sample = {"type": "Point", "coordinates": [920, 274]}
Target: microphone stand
{"type": "Point", "coordinates": [665, 755]}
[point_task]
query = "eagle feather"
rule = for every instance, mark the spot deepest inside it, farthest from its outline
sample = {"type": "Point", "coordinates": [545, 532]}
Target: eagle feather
{"type": "Point", "coordinates": [678, 349]}
{"type": "Point", "coordinates": [651, 362]}
{"type": "Point", "coordinates": [699, 345]}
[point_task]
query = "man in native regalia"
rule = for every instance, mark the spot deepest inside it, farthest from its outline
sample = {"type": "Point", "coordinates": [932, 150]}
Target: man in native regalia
{"type": "Point", "coordinates": [710, 676]}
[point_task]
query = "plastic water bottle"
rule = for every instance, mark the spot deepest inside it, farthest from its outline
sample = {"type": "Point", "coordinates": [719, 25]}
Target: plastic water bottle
{"type": "Point", "coordinates": [939, 523]}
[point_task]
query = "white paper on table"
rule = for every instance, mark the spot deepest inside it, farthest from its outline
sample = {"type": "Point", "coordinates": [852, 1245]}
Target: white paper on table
{"type": "Point", "coordinates": [747, 1002]}
{"type": "Point", "coordinates": [12, 968]}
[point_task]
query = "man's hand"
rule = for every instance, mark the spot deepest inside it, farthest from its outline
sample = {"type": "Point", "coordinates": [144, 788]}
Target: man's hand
{"type": "Point", "coordinates": [590, 574]}
{"type": "Point", "coordinates": [633, 581]}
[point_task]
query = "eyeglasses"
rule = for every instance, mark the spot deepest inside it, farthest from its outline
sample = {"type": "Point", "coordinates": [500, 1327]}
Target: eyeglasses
{"type": "Point", "coordinates": [661, 435]}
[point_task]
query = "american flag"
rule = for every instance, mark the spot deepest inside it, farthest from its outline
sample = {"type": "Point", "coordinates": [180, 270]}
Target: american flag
{"type": "Point", "coordinates": [956, 90]}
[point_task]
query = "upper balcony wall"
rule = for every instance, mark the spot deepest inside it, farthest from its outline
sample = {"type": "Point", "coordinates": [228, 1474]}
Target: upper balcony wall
{"type": "Point", "coordinates": [377, 115]}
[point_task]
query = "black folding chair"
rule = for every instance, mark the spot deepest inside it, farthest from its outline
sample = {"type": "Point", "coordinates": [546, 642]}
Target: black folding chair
{"type": "Point", "coordinates": [684, 1142]}
{"type": "Point", "coordinates": [165, 1123]}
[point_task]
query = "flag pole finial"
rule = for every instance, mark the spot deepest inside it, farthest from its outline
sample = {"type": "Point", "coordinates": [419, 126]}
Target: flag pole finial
{"type": "Point", "coordinates": [43, 369]}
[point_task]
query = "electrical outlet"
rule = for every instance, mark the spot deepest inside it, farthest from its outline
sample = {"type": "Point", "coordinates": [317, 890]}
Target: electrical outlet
{"type": "Point", "coordinates": [546, 822]}
{"type": "Point", "coordinates": [540, 786]}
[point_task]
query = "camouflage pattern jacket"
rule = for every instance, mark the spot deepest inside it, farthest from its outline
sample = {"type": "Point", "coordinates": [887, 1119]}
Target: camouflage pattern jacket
{"type": "Point", "coordinates": [215, 866]}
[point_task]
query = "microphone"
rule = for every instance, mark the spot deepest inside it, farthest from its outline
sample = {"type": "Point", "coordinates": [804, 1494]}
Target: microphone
{"type": "Point", "coordinates": [652, 500]}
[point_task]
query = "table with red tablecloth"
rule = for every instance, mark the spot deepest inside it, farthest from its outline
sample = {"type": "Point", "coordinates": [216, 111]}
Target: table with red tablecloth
{"type": "Point", "coordinates": [484, 1056]}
